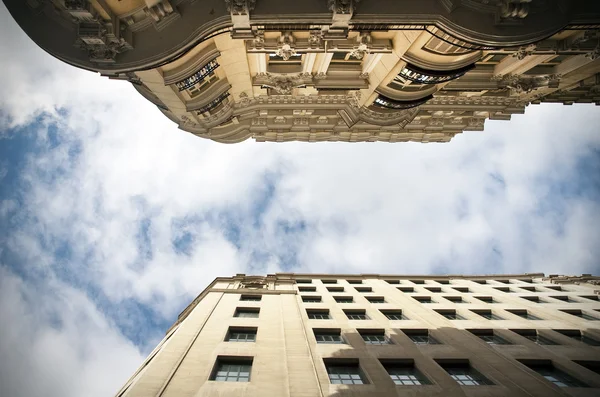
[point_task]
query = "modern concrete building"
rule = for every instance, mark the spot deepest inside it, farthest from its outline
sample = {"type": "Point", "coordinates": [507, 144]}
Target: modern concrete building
{"type": "Point", "coordinates": [330, 70]}
{"type": "Point", "coordinates": [314, 335]}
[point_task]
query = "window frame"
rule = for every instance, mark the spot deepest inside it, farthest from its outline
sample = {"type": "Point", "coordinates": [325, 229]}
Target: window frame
{"type": "Point", "coordinates": [246, 310]}
{"type": "Point", "coordinates": [347, 367]}
{"type": "Point", "coordinates": [470, 373]}
{"type": "Point", "coordinates": [253, 331]}
{"type": "Point", "coordinates": [407, 373]}
{"type": "Point", "coordinates": [318, 312]}
{"type": "Point", "coordinates": [240, 361]}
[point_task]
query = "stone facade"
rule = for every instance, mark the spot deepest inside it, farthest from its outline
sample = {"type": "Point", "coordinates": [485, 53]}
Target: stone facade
{"type": "Point", "coordinates": [501, 332]}
{"type": "Point", "coordinates": [330, 70]}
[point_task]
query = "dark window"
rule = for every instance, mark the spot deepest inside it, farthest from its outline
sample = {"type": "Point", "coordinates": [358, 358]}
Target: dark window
{"type": "Point", "coordinates": [364, 289]}
{"type": "Point", "coordinates": [335, 289]}
{"type": "Point", "coordinates": [490, 337]}
{"type": "Point", "coordinates": [553, 374]}
{"type": "Point", "coordinates": [232, 369]}
{"type": "Point", "coordinates": [421, 337]}
{"type": "Point", "coordinates": [383, 101]}
{"type": "Point", "coordinates": [442, 281]}
{"type": "Point", "coordinates": [345, 372]}
{"type": "Point", "coordinates": [503, 281]}
{"type": "Point", "coordinates": [247, 312]}
{"type": "Point", "coordinates": [198, 77]}
{"type": "Point", "coordinates": [236, 334]}
{"type": "Point", "coordinates": [251, 298]}
{"type": "Point", "coordinates": [406, 289]}
{"type": "Point", "coordinates": [374, 337]}
{"type": "Point", "coordinates": [343, 299]}
{"type": "Point", "coordinates": [354, 281]}
{"type": "Point", "coordinates": [578, 336]}
{"type": "Point", "coordinates": [533, 299]}
{"type": "Point", "coordinates": [593, 366]}
{"type": "Point", "coordinates": [486, 299]}
{"type": "Point", "coordinates": [318, 314]}
{"type": "Point", "coordinates": [433, 289]}
{"type": "Point", "coordinates": [563, 298]}
{"type": "Point", "coordinates": [480, 281]}
{"type": "Point", "coordinates": [534, 336]}
{"type": "Point", "coordinates": [464, 374]}
{"type": "Point", "coordinates": [487, 314]}
{"type": "Point", "coordinates": [580, 314]}
{"type": "Point", "coordinates": [450, 314]}
{"type": "Point", "coordinates": [418, 281]}
{"type": "Point", "coordinates": [455, 299]}
{"type": "Point", "coordinates": [392, 281]}
{"type": "Point", "coordinates": [404, 373]}
{"type": "Point", "coordinates": [553, 287]}
{"type": "Point", "coordinates": [303, 281]}
{"type": "Point", "coordinates": [307, 289]}
{"type": "Point", "coordinates": [423, 299]}
{"type": "Point", "coordinates": [461, 289]}
{"type": "Point", "coordinates": [376, 299]}
{"type": "Point", "coordinates": [590, 297]}
{"type": "Point", "coordinates": [394, 314]}
{"type": "Point", "coordinates": [524, 314]}
{"type": "Point", "coordinates": [424, 76]}
{"type": "Point", "coordinates": [502, 289]}
{"type": "Point", "coordinates": [328, 336]}
{"type": "Point", "coordinates": [329, 281]}
{"type": "Point", "coordinates": [311, 299]}
{"type": "Point", "coordinates": [356, 314]}
{"type": "Point", "coordinates": [530, 289]}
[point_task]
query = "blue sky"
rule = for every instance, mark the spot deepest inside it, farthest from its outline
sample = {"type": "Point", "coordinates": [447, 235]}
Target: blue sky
{"type": "Point", "coordinates": [112, 220]}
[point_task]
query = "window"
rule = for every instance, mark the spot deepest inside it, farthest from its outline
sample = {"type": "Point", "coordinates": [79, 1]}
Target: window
{"type": "Point", "coordinates": [555, 288]}
{"type": "Point", "coordinates": [462, 372]}
{"type": "Point", "coordinates": [487, 314]}
{"type": "Point", "coordinates": [480, 281]}
{"type": "Point", "coordinates": [232, 369]}
{"type": "Point", "coordinates": [530, 289]}
{"type": "Point", "coordinates": [418, 281]}
{"type": "Point", "coordinates": [421, 337]}
{"type": "Point", "coordinates": [318, 314]}
{"type": "Point", "coordinates": [502, 289]}
{"type": "Point", "coordinates": [503, 281]}
{"type": "Point", "coordinates": [394, 314]}
{"type": "Point", "coordinates": [343, 299]}
{"type": "Point", "coordinates": [433, 289]}
{"type": "Point", "coordinates": [328, 335]}
{"type": "Point", "coordinates": [383, 101]}
{"type": "Point", "coordinates": [406, 289]}
{"type": "Point", "coordinates": [344, 372]}
{"type": "Point", "coordinates": [303, 281]}
{"type": "Point", "coordinates": [580, 314]}
{"type": "Point", "coordinates": [376, 299]}
{"type": "Point", "coordinates": [356, 315]}
{"type": "Point", "coordinates": [311, 299]}
{"type": "Point", "coordinates": [450, 314]}
{"type": "Point", "coordinates": [579, 336]}
{"type": "Point", "coordinates": [442, 281]}
{"type": "Point", "coordinates": [195, 82]}
{"type": "Point", "coordinates": [455, 299]}
{"type": "Point", "coordinates": [374, 336]}
{"type": "Point", "coordinates": [392, 281]}
{"type": "Point", "coordinates": [525, 280]}
{"type": "Point", "coordinates": [552, 374]}
{"type": "Point", "coordinates": [486, 299]}
{"type": "Point", "coordinates": [590, 297]}
{"type": "Point", "coordinates": [329, 281]}
{"type": "Point", "coordinates": [344, 57]}
{"type": "Point", "coordinates": [404, 373]}
{"type": "Point", "coordinates": [237, 334]}
{"type": "Point", "coordinates": [593, 366]}
{"type": "Point", "coordinates": [489, 337]}
{"type": "Point", "coordinates": [251, 298]}
{"type": "Point", "coordinates": [423, 299]}
{"type": "Point", "coordinates": [354, 281]}
{"type": "Point", "coordinates": [532, 299]}
{"type": "Point", "coordinates": [563, 298]}
{"type": "Point", "coordinates": [424, 76]}
{"type": "Point", "coordinates": [524, 314]}
{"type": "Point", "coordinates": [534, 336]}
{"type": "Point", "coordinates": [364, 289]}
{"type": "Point", "coordinates": [307, 289]}
{"type": "Point", "coordinates": [213, 105]}
{"type": "Point", "coordinates": [461, 289]}
{"type": "Point", "coordinates": [246, 312]}
{"type": "Point", "coordinates": [335, 289]}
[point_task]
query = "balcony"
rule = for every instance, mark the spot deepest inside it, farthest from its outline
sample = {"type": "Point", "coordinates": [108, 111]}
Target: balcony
{"type": "Point", "coordinates": [388, 103]}
{"type": "Point", "coordinates": [213, 104]}
{"type": "Point", "coordinates": [198, 76]}
{"type": "Point", "coordinates": [423, 76]}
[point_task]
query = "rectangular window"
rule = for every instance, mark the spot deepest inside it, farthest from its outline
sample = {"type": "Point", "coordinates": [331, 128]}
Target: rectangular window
{"type": "Point", "coordinates": [503, 281]}
{"type": "Point", "coordinates": [344, 372]}
{"type": "Point", "coordinates": [534, 336]}
{"type": "Point", "coordinates": [442, 281]}
{"type": "Point", "coordinates": [502, 289]}
{"type": "Point", "coordinates": [524, 314]}
{"type": "Point", "coordinates": [418, 281]}
{"type": "Point", "coordinates": [420, 337]}
{"type": "Point", "coordinates": [238, 334]}
{"type": "Point", "coordinates": [530, 289]}
{"type": "Point", "coordinates": [376, 299]}
{"type": "Point", "coordinates": [450, 314]}
{"type": "Point", "coordinates": [303, 281]}
{"type": "Point", "coordinates": [480, 281]}
{"type": "Point", "coordinates": [392, 281]}
{"type": "Point", "coordinates": [563, 298]}
{"type": "Point", "coordinates": [578, 336]}
{"type": "Point", "coordinates": [593, 366]}
{"type": "Point", "coordinates": [356, 314]}
{"type": "Point", "coordinates": [490, 337]}
{"type": "Point", "coordinates": [404, 373]}
{"type": "Point", "coordinates": [554, 288]}
{"type": "Point", "coordinates": [532, 299]}
{"type": "Point", "coordinates": [311, 299]}
{"type": "Point", "coordinates": [318, 314]}
{"type": "Point", "coordinates": [354, 281]}
{"type": "Point", "coordinates": [461, 289]}
{"type": "Point", "coordinates": [406, 289]}
{"type": "Point", "coordinates": [552, 374]}
{"type": "Point", "coordinates": [329, 281]}
{"type": "Point", "coordinates": [232, 369]}
{"type": "Point", "coordinates": [329, 335]}
{"type": "Point", "coordinates": [590, 297]}
{"type": "Point", "coordinates": [394, 314]}
{"type": "Point", "coordinates": [486, 299]}
{"type": "Point", "coordinates": [335, 289]}
{"type": "Point", "coordinates": [364, 289]}
{"type": "Point", "coordinates": [455, 299]}
{"type": "Point", "coordinates": [487, 314]}
{"type": "Point", "coordinates": [423, 299]}
{"type": "Point", "coordinates": [462, 372]}
{"type": "Point", "coordinates": [307, 289]}
{"type": "Point", "coordinates": [246, 312]}
{"type": "Point", "coordinates": [250, 298]}
{"type": "Point", "coordinates": [433, 289]}
{"type": "Point", "coordinates": [343, 299]}
{"type": "Point", "coordinates": [580, 314]}
{"type": "Point", "coordinates": [374, 337]}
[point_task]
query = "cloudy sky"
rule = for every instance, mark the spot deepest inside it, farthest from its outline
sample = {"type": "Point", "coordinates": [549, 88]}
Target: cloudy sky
{"type": "Point", "coordinates": [112, 220]}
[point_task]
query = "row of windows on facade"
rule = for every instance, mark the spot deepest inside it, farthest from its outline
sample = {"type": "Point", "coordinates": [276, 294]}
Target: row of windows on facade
{"type": "Point", "coordinates": [418, 336]}
{"type": "Point", "coordinates": [428, 281]}
{"type": "Point", "coordinates": [402, 372]}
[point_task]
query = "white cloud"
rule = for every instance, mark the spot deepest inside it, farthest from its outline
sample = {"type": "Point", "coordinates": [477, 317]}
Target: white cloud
{"type": "Point", "coordinates": [486, 202]}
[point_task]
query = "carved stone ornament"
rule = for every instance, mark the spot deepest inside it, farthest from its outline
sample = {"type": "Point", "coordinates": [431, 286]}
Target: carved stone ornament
{"type": "Point", "coordinates": [354, 99]}
{"type": "Point", "coordinates": [362, 48]}
{"type": "Point", "coordinates": [240, 7]}
{"type": "Point", "coordinates": [342, 6]}
{"type": "Point", "coordinates": [594, 54]}
{"type": "Point", "coordinates": [101, 46]}
{"type": "Point", "coordinates": [255, 282]}
{"type": "Point", "coordinates": [283, 84]}
{"type": "Point", "coordinates": [159, 10]}
{"type": "Point", "coordinates": [285, 46]}
{"type": "Point", "coordinates": [522, 52]}
{"type": "Point", "coordinates": [315, 37]}
{"type": "Point", "coordinates": [514, 8]}
{"type": "Point", "coordinates": [244, 100]}
{"type": "Point", "coordinates": [521, 84]}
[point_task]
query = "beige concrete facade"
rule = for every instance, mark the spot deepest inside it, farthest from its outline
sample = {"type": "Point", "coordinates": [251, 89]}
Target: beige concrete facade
{"type": "Point", "coordinates": [561, 336]}
{"type": "Point", "coordinates": [330, 70]}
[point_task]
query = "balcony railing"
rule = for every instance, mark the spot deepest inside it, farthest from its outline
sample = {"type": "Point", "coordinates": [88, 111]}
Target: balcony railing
{"type": "Point", "coordinates": [423, 76]}
{"type": "Point", "coordinates": [213, 104]}
{"type": "Point", "coordinates": [198, 76]}
{"type": "Point", "coordinates": [388, 103]}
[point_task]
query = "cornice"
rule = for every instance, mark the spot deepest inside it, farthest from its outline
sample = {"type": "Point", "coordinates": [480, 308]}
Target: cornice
{"type": "Point", "coordinates": [189, 68]}
{"type": "Point", "coordinates": [218, 88]}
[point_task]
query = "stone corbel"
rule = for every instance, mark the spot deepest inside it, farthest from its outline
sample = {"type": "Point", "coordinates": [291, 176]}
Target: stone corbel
{"type": "Point", "coordinates": [362, 46]}
{"type": "Point", "coordinates": [342, 14]}
{"type": "Point", "coordinates": [161, 12]}
{"type": "Point", "coordinates": [522, 52]}
{"type": "Point", "coordinates": [240, 17]}
{"type": "Point", "coordinates": [286, 46]}
{"type": "Point", "coordinates": [517, 9]}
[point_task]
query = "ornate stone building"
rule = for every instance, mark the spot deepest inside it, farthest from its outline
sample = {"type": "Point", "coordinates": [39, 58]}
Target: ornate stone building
{"type": "Point", "coordinates": [330, 70]}
{"type": "Point", "coordinates": [323, 335]}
